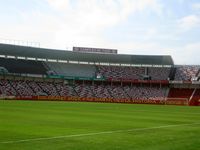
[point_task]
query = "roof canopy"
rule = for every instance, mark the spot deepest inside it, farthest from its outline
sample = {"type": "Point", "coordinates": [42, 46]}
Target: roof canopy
{"type": "Point", "coordinates": [32, 52]}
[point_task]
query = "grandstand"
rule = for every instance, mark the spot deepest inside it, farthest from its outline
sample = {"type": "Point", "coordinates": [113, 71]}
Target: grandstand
{"type": "Point", "coordinates": [46, 74]}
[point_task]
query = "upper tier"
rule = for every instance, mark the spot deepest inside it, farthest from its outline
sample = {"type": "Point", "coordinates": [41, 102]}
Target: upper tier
{"type": "Point", "coordinates": [109, 66]}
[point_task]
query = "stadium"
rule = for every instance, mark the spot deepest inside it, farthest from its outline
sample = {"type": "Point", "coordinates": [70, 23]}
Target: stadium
{"type": "Point", "coordinates": [93, 76]}
{"type": "Point", "coordinates": [96, 75]}
{"type": "Point", "coordinates": [99, 75]}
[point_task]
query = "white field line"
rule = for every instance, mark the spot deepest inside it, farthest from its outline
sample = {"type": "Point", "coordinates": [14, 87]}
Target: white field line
{"type": "Point", "coordinates": [179, 113]}
{"type": "Point", "coordinates": [96, 133]}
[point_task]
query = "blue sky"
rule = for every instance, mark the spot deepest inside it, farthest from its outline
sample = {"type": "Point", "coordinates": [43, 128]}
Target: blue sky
{"type": "Point", "coordinates": [170, 27]}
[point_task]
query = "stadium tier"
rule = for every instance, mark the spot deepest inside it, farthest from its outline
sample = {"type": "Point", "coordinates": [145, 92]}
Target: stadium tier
{"type": "Point", "coordinates": [159, 73]}
{"type": "Point", "coordinates": [117, 72]}
{"type": "Point", "coordinates": [22, 66]}
{"type": "Point", "coordinates": [37, 73]}
{"type": "Point", "coordinates": [74, 70]}
{"type": "Point", "coordinates": [186, 73]}
{"type": "Point", "coordinates": [34, 88]}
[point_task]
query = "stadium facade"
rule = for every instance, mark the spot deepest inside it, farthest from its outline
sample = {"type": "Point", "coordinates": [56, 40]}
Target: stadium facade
{"type": "Point", "coordinates": [32, 73]}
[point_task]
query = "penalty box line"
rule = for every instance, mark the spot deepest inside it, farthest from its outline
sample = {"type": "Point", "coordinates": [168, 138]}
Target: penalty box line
{"type": "Point", "coordinates": [97, 133]}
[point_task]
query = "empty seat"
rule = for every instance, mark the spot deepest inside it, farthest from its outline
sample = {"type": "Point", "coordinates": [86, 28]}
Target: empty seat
{"type": "Point", "coordinates": [75, 70]}
{"type": "Point", "coordinates": [23, 66]}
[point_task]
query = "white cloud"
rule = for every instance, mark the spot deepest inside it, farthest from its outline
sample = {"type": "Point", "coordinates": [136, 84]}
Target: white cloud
{"type": "Point", "coordinates": [189, 22]}
{"type": "Point", "coordinates": [102, 13]}
{"type": "Point", "coordinates": [196, 6]}
{"type": "Point", "coordinates": [181, 1]}
{"type": "Point", "coordinates": [83, 22]}
{"type": "Point", "coordinates": [188, 54]}
{"type": "Point", "coordinates": [59, 4]}
{"type": "Point", "coordinates": [75, 22]}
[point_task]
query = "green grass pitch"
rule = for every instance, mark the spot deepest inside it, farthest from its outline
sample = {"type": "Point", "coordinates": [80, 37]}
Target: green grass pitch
{"type": "Point", "coordinates": [34, 125]}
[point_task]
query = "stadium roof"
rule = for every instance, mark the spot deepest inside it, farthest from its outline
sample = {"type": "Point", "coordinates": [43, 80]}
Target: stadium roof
{"type": "Point", "coordinates": [32, 52]}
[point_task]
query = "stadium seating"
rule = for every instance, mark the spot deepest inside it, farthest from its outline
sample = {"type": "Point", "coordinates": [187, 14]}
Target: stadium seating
{"type": "Point", "coordinates": [80, 70]}
{"type": "Point", "coordinates": [133, 73]}
{"type": "Point", "coordinates": [65, 90]}
{"type": "Point", "coordinates": [75, 70]}
{"type": "Point", "coordinates": [146, 93]}
{"type": "Point", "coordinates": [6, 88]}
{"type": "Point", "coordinates": [100, 91]}
{"type": "Point", "coordinates": [36, 88]}
{"type": "Point", "coordinates": [33, 88]}
{"type": "Point", "coordinates": [117, 72]}
{"type": "Point", "coordinates": [23, 66]}
{"type": "Point", "coordinates": [159, 73]}
{"type": "Point", "coordinates": [49, 88]}
{"type": "Point", "coordinates": [83, 90]}
{"type": "Point", "coordinates": [117, 92]}
{"type": "Point", "coordinates": [22, 88]}
{"type": "Point", "coordinates": [186, 73]}
{"type": "Point", "coordinates": [28, 72]}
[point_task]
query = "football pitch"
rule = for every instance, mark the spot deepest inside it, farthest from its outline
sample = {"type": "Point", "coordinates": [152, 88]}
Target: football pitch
{"type": "Point", "coordinates": [34, 125]}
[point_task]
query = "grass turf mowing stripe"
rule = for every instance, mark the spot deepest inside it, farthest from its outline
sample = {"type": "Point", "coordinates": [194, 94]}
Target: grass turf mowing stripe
{"type": "Point", "coordinates": [97, 133]}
